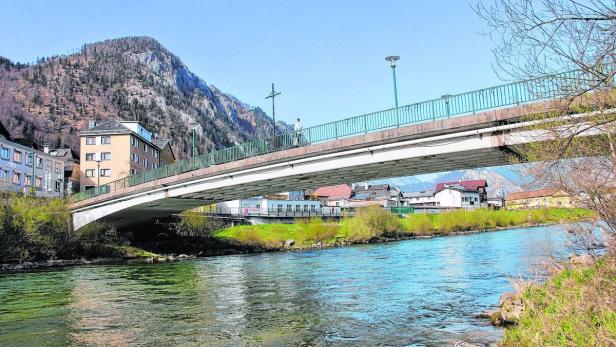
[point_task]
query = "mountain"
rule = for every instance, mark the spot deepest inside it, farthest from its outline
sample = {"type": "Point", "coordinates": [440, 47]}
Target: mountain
{"type": "Point", "coordinates": [132, 78]}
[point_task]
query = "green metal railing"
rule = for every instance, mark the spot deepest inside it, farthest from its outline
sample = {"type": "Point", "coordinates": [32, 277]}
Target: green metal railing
{"type": "Point", "coordinates": [545, 88]}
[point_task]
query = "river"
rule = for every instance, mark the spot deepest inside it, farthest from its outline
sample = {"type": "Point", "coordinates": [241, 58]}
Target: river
{"type": "Point", "coordinates": [415, 292]}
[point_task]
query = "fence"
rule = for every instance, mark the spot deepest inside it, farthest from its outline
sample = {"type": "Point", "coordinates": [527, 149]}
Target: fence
{"type": "Point", "coordinates": [544, 88]}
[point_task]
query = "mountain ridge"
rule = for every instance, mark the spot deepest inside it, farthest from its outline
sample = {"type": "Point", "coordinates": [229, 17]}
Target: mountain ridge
{"type": "Point", "coordinates": [129, 78]}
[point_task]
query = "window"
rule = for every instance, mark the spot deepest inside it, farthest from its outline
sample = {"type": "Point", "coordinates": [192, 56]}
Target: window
{"type": "Point", "coordinates": [145, 147]}
{"type": "Point", "coordinates": [298, 208]}
{"type": "Point", "coordinates": [305, 208]}
{"type": "Point", "coordinates": [134, 157]}
{"type": "Point", "coordinates": [90, 156]}
{"type": "Point", "coordinates": [16, 156]}
{"type": "Point", "coordinates": [105, 140]}
{"type": "Point", "coordinates": [105, 172]}
{"type": "Point", "coordinates": [258, 206]}
{"type": "Point", "coordinates": [29, 159]}
{"type": "Point", "coordinates": [38, 181]}
{"type": "Point", "coordinates": [39, 162]}
{"type": "Point", "coordinates": [154, 166]}
{"type": "Point", "coordinates": [106, 156]}
{"type": "Point", "coordinates": [145, 163]}
{"type": "Point", "coordinates": [90, 140]}
{"type": "Point", "coordinates": [134, 142]}
{"type": "Point", "coordinates": [16, 177]}
{"type": "Point", "coordinates": [289, 208]}
{"type": "Point", "coordinates": [155, 153]}
{"type": "Point", "coordinates": [89, 172]}
{"type": "Point", "coordinates": [133, 172]}
{"type": "Point", "coordinates": [28, 180]}
{"type": "Point", "coordinates": [4, 175]}
{"type": "Point", "coordinates": [279, 208]}
{"type": "Point", "coordinates": [58, 186]}
{"type": "Point", "coordinates": [4, 153]}
{"type": "Point", "coordinates": [313, 208]}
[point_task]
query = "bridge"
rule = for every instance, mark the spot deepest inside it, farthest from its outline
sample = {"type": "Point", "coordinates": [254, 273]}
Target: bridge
{"type": "Point", "coordinates": [475, 129]}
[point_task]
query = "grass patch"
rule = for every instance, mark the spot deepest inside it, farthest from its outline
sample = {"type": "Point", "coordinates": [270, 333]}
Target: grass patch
{"type": "Point", "coordinates": [373, 222]}
{"type": "Point", "coordinates": [576, 307]}
{"type": "Point", "coordinates": [483, 219]}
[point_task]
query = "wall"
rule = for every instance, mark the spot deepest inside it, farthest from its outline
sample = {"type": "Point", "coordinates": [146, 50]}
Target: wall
{"type": "Point", "coordinates": [119, 163]}
{"type": "Point", "coordinates": [50, 171]}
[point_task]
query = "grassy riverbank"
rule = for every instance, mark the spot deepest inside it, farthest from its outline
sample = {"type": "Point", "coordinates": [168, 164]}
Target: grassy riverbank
{"type": "Point", "coordinates": [576, 307]}
{"type": "Point", "coordinates": [39, 229]}
{"type": "Point", "coordinates": [373, 223]}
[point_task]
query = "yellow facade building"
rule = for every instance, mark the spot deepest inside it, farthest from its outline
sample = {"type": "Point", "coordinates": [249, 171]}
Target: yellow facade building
{"type": "Point", "coordinates": [538, 199]}
{"type": "Point", "coordinates": [117, 149]}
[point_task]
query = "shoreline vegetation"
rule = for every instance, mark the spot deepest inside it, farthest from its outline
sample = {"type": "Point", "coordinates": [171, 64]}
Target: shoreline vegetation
{"type": "Point", "coordinates": [36, 232]}
{"type": "Point", "coordinates": [373, 224]}
{"type": "Point", "coordinates": [576, 306]}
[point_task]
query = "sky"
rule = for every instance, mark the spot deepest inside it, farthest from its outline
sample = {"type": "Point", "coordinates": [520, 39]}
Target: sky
{"type": "Point", "coordinates": [326, 57]}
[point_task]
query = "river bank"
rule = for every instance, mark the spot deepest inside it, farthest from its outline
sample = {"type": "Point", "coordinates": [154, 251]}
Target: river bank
{"type": "Point", "coordinates": [374, 225]}
{"type": "Point", "coordinates": [575, 306]}
{"type": "Point", "coordinates": [195, 237]}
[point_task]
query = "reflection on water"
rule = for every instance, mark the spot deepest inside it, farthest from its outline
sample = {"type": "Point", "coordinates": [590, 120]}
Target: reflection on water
{"type": "Point", "coordinates": [424, 292]}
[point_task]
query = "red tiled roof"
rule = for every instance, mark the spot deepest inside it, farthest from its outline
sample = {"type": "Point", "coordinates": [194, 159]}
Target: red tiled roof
{"type": "Point", "coordinates": [468, 185]}
{"type": "Point", "coordinates": [339, 191]}
{"type": "Point", "coordinates": [535, 194]}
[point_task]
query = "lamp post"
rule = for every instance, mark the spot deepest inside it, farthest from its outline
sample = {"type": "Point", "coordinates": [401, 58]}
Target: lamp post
{"type": "Point", "coordinates": [392, 59]}
{"type": "Point", "coordinates": [98, 172]}
{"type": "Point", "coordinates": [32, 179]}
{"type": "Point", "coordinates": [193, 143]}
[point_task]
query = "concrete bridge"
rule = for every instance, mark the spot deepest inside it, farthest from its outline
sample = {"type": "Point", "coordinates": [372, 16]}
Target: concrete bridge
{"type": "Point", "coordinates": [444, 134]}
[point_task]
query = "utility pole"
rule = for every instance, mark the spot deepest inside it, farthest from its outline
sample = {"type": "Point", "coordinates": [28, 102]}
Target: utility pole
{"type": "Point", "coordinates": [193, 143]}
{"type": "Point", "coordinates": [272, 96]}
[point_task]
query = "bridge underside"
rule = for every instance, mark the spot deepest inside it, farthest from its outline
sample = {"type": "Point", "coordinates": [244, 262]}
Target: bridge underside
{"type": "Point", "coordinates": [148, 212]}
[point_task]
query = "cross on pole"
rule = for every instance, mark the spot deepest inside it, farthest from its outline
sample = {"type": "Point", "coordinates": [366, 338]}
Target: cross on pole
{"type": "Point", "coordinates": [272, 96]}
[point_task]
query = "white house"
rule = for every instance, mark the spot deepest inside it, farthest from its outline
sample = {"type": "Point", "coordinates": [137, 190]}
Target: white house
{"type": "Point", "coordinates": [293, 205]}
{"type": "Point", "coordinates": [423, 198]}
{"type": "Point", "coordinates": [459, 197]}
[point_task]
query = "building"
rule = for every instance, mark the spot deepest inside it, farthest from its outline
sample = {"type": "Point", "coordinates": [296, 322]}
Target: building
{"type": "Point", "coordinates": [333, 196]}
{"type": "Point", "coordinates": [116, 149]}
{"type": "Point", "coordinates": [288, 204]}
{"type": "Point", "coordinates": [537, 199]}
{"type": "Point", "coordinates": [477, 185]}
{"type": "Point", "coordinates": [375, 194]}
{"type": "Point", "coordinates": [167, 156]}
{"type": "Point", "coordinates": [457, 196]}
{"type": "Point", "coordinates": [71, 168]}
{"type": "Point", "coordinates": [21, 167]}
{"type": "Point", "coordinates": [422, 198]}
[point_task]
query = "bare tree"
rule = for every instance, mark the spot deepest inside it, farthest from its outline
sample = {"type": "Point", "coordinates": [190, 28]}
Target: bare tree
{"type": "Point", "coordinates": [541, 40]}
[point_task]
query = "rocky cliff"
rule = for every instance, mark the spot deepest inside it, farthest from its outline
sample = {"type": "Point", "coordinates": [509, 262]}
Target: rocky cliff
{"type": "Point", "coordinates": [132, 78]}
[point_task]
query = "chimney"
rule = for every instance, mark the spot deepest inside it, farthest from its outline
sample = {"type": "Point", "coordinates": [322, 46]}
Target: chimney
{"type": "Point", "coordinates": [91, 124]}
{"type": "Point", "coordinates": [46, 149]}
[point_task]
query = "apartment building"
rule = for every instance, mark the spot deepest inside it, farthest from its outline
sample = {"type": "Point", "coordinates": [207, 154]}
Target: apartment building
{"type": "Point", "coordinates": [117, 149]}
{"type": "Point", "coordinates": [22, 166]}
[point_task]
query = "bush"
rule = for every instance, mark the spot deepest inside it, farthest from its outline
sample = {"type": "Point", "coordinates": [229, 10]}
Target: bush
{"type": "Point", "coordinates": [35, 228]}
{"type": "Point", "coordinates": [372, 222]}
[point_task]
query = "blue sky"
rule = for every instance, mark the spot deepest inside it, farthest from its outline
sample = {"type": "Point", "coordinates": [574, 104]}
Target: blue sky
{"type": "Point", "coordinates": [327, 57]}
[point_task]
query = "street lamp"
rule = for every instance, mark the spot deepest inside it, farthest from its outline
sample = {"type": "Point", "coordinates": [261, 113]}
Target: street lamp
{"type": "Point", "coordinates": [273, 96]}
{"type": "Point", "coordinates": [392, 59]}
{"type": "Point", "coordinates": [98, 172]}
